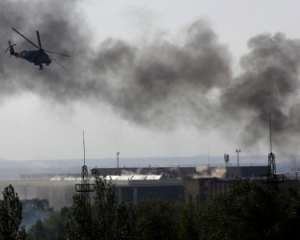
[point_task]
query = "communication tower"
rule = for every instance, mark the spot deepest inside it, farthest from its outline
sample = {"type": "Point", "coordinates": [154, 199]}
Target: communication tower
{"type": "Point", "coordinates": [238, 150]}
{"type": "Point", "coordinates": [271, 155]}
{"type": "Point", "coordinates": [85, 187]}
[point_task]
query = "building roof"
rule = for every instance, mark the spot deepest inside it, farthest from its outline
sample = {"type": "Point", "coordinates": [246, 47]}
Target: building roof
{"type": "Point", "coordinates": [247, 171]}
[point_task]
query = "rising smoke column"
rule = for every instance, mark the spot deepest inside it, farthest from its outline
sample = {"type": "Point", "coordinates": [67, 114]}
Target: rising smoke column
{"type": "Point", "coordinates": [164, 82]}
{"type": "Point", "coordinates": [161, 84]}
{"type": "Point", "coordinates": [268, 86]}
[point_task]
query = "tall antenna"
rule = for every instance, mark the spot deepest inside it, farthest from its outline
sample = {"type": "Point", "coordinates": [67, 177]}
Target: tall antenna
{"type": "Point", "coordinates": [83, 142]}
{"type": "Point", "coordinates": [84, 187]}
{"type": "Point", "coordinates": [118, 160]}
{"type": "Point", "coordinates": [270, 132]}
{"type": "Point", "coordinates": [208, 159]}
{"type": "Point", "coordinates": [238, 150]}
{"type": "Point", "coordinates": [271, 155]}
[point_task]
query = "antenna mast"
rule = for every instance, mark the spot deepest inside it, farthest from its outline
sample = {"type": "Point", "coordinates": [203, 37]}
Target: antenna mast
{"type": "Point", "coordinates": [238, 150]}
{"type": "Point", "coordinates": [270, 132]}
{"type": "Point", "coordinates": [83, 141]}
{"type": "Point", "coordinates": [118, 160]}
{"type": "Point", "coordinates": [271, 155]}
{"type": "Point", "coordinates": [84, 187]}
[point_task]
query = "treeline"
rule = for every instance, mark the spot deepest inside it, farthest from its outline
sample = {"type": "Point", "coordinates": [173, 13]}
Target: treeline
{"type": "Point", "coordinates": [247, 211]}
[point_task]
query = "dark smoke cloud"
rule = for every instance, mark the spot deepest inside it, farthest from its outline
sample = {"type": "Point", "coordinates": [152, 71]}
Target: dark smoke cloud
{"type": "Point", "coordinates": [267, 88]}
{"type": "Point", "coordinates": [58, 23]}
{"type": "Point", "coordinates": [160, 84]}
{"type": "Point", "coordinates": [157, 85]}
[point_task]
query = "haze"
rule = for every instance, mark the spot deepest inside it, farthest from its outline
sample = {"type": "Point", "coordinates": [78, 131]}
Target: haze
{"type": "Point", "coordinates": [33, 127]}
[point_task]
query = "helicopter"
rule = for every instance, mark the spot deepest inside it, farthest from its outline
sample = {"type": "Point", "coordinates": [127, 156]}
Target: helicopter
{"type": "Point", "coordinates": [39, 57]}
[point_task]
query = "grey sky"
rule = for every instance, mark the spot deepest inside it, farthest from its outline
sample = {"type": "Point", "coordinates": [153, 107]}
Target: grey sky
{"type": "Point", "coordinates": [32, 128]}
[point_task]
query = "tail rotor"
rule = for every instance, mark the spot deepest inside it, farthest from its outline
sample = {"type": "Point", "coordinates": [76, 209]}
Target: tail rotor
{"type": "Point", "coordinates": [10, 48]}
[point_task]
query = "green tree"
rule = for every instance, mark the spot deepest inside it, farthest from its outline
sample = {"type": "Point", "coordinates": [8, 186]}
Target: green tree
{"type": "Point", "coordinates": [94, 218]}
{"type": "Point", "coordinates": [126, 228]}
{"type": "Point", "coordinates": [189, 222]}
{"type": "Point", "coordinates": [10, 215]}
{"type": "Point", "coordinates": [54, 228]}
{"type": "Point", "coordinates": [251, 211]}
{"type": "Point", "coordinates": [80, 223]}
{"type": "Point", "coordinates": [157, 220]}
{"type": "Point", "coordinates": [38, 231]}
{"type": "Point", "coordinates": [105, 211]}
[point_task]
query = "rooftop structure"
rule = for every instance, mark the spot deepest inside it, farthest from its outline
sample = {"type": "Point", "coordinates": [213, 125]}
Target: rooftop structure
{"type": "Point", "coordinates": [172, 172]}
{"type": "Point", "coordinates": [247, 171]}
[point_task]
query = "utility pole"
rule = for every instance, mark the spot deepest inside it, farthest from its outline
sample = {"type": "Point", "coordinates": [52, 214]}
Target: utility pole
{"type": "Point", "coordinates": [118, 160]}
{"type": "Point", "coordinates": [238, 150]}
{"type": "Point", "coordinates": [271, 155]}
{"type": "Point", "coordinates": [83, 143]}
{"type": "Point", "coordinates": [226, 159]}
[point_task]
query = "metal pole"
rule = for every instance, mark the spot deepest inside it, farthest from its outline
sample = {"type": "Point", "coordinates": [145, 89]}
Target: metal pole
{"type": "Point", "coordinates": [118, 160]}
{"type": "Point", "coordinates": [238, 157]}
{"type": "Point", "coordinates": [270, 132]}
{"type": "Point", "coordinates": [238, 160]}
{"type": "Point", "coordinates": [83, 141]}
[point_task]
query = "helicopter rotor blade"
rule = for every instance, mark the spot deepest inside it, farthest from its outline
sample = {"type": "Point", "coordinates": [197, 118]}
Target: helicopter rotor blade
{"type": "Point", "coordinates": [27, 39]}
{"type": "Point", "coordinates": [39, 39]}
{"type": "Point", "coordinates": [57, 53]}
{"type": "Point", "coordinates": [6, 50]}
{"type": "Point", "coordinates": [10, 45]}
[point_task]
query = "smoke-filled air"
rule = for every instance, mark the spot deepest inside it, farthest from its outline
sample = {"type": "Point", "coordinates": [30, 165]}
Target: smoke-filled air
{"type": "Point", "coordinates": [162, 83]}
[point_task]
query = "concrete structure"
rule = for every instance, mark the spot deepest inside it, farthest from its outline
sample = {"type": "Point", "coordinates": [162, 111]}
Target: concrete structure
{"type": "Point", "coordinates": [143, 184]}
{"type": "Point", "coordinates": [59, 190]}
{"type": "Point", "coordinates": [170, 172]}
{"type": "Point", "coordinates": [246, 171]}
{"type": "Point", "coordinates": [140, 191]}
{"type": "Point", "coordinates": [201, 189]}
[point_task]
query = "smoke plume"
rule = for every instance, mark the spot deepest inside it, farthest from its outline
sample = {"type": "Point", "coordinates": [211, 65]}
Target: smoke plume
{"type": "Point", "coordinates": [157, 84]}
{"type": "Point", "coordinates": [267, 88]}
{"type": "Point", "coordinates": [58, 23]}
{"type": "Point", "coordinates": [160, 84]}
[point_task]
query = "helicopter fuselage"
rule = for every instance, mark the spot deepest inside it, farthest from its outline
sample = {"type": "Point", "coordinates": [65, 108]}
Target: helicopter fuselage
{"type": "Point", "coordinates": [37, 57]}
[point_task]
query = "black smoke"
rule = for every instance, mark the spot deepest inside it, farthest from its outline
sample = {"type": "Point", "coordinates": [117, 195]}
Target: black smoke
{"type": "Point", "coordinates": [160, 84]}
{"type": "Point", "coordinates": [59, 26]}
{"type": "Point", "coordinates": [267, 89]}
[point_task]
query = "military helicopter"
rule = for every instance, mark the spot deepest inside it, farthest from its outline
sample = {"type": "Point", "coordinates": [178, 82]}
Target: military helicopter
{"type": "Point", "coordinates": [38, 57]}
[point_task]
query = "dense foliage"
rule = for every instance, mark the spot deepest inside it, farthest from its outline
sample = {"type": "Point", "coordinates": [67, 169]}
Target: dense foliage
{"type": "Point", "coordinates": [10, 215]}
{"type": "Point", "coordinates": [252, 211]}
{"type": "Point", "coordinates": [248, 211]}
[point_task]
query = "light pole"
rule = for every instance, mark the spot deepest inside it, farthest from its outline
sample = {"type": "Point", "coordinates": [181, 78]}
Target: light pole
{"type": "Point", "coordinates": [118, 160]}
{"type": "Point", "coordinates": [238, 150]}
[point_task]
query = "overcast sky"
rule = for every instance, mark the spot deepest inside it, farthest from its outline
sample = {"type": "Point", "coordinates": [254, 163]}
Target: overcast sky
{"type": "Point", "coordinates": [32, 128]}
